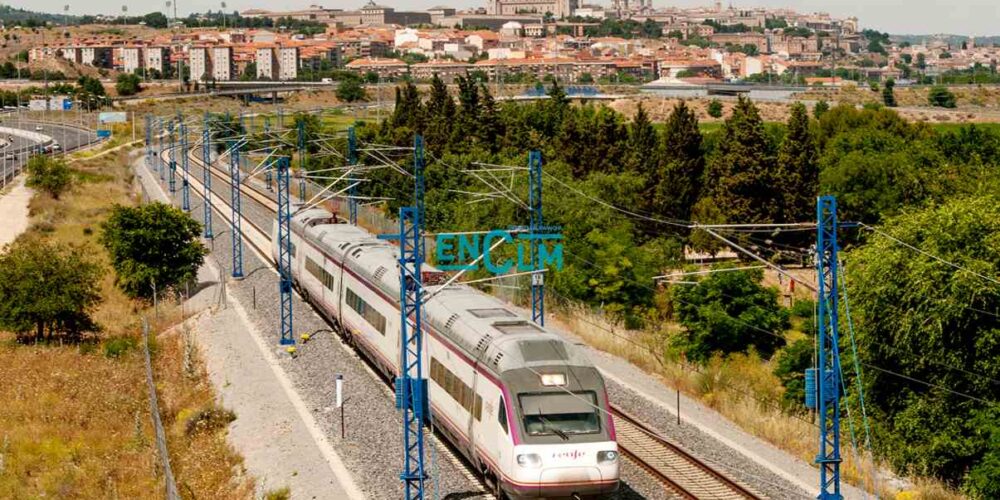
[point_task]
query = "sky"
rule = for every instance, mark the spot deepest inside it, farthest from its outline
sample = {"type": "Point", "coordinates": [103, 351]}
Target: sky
{"type": "Point", "coordinates": [962, 17]}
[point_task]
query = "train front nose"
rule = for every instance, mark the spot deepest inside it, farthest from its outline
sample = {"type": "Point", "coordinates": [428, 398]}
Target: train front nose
{"type": "Point", "coordinates": [558, 482]}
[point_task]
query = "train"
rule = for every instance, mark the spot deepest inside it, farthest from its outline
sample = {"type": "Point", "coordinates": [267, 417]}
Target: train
{"type": "Point", "coordinates": [526, 408]}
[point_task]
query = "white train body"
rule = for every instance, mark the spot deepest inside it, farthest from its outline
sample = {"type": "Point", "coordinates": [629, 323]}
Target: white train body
{"type": "Point", "coordinates": [485, 365]}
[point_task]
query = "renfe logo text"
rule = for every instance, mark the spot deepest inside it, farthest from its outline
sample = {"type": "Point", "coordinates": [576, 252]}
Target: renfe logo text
{"type": "Point", "coordinates": [462, 252]}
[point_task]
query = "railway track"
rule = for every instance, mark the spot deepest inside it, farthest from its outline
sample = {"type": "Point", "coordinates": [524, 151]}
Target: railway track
{"type": "Point", "coordinates": [259, 239]}
{"type": "Point", "coordinates": [681, 473]}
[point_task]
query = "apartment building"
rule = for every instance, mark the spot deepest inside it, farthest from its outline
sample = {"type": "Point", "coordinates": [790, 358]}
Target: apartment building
{"type": "Point", "coordinates": [288, 63]}
{"type": "Point", "coordinates": [267, 63]}
{"type": "Point", "coordinates": [157, 59]}
{"type": "Point", "coordinates": [71, 54]}
{"type": "Point", "coordinates": [131, 59]}
{"type": "Point", "coordinates": [98, 56]}
{"type": "Point", "coordinates": [201, 64]}
{"type": "Point", "coordinates": [222, 63]}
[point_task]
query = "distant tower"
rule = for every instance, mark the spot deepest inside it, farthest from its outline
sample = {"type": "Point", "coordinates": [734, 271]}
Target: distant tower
{"type": "Point", "coordinates": [718, 5]}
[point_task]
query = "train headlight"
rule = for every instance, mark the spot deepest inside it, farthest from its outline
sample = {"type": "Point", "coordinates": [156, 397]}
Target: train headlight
{"type": "Point", "coordinates": [551, 379]}
{"type": "Point", "coordinates": [529, 460]}
{"type": "Point", "coordinates": [609, 456]}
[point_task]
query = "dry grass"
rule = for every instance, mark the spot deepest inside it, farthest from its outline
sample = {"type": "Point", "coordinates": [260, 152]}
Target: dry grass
{"type": "Point", "coordinates": [741, 387]}
{"type": "Point", "coordinates": [74, 419]}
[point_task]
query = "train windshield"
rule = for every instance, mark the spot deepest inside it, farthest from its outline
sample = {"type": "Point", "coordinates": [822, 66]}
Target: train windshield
{"type": "Point", "coordinates": [560, 413]}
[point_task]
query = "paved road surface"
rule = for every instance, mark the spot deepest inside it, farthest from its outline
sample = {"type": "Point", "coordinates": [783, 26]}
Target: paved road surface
{"type": "Point", "coordinates": [69, 137]}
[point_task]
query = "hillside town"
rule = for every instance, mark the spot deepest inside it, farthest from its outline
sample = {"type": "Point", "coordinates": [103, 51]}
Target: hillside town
{"type": "Point", "coordinates": [518, 41]}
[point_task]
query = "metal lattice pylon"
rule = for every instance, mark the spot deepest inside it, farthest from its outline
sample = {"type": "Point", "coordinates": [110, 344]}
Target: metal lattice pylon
{"type": "Point", "coordinates": [237, 213]}
{"type": "Point", "coordinates": [411, 387]}
{"type": "Point", "coordinates": [185, 184]}
{"type": "Point", "coordinates": [159, 156]}
{"type": "Point", "coordinates": [206, 180]}
{"type": "Point", "coordinates": [352, 160]}
{"type": "Point", "coordinates": [172, 183]}
{"type": "Point", "coordinates": [828, 351]}
{"type": "Point", "coordinates": [285, 251]}
{"type": "Point", "coordinates": [535, 209]}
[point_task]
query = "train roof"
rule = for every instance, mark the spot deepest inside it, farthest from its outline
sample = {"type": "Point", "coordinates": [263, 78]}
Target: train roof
{"type": "Point", "coordinates": [483, 326]}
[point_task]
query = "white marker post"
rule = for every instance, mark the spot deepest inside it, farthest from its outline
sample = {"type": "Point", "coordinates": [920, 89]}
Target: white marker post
{"type": "Point", "coordinates": [340, 402]}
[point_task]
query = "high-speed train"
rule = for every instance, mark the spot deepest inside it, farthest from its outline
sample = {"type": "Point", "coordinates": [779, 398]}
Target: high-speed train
{"type": "Point", "coordinates": [524, 406]}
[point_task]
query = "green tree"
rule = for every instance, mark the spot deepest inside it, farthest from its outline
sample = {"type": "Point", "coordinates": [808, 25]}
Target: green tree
{"type": "Point", "coordinates": [312, 127]}
{"type": "Point", "coordinates": [715, 108]}
{"type": "Point", "coordinates": [819, 108]}
{"type": "Point", "coordinates": [729, 312]}
{"type": "Point", "coordinates": [742, 169]}
{"type": "Point", "coordinates": [931, 322]}
{"type": "Point", "coordinates": [441, 111]}
{"type": "Point", "coordinates": [888, 96]}
{"type": "Point", "coordinates": [154, 244]}
{"type": "Point", "coordinates": [350, 90]}
{"type": "Point", "coordinates": [91, 85]}
{"type": "Point", "coordinates": [49, 174]}
{"type": "Point", "coordinates": [792, 363]}
{"type": "Point", "coordinates": [677, 183]}
{"type": "Point", "coordinates": [128, 84]}
{"type": "Point", "coordinates": [798, 169]}
{"type": "Point", "coordinates": [47, 289]}
{"type": "Point", "coordinates": [940, 96]}
{"type": "Point", "coordinates": [642, 144]}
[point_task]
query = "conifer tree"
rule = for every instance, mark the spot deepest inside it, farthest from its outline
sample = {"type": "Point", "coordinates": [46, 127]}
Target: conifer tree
{"type": "Point", "coordinates": [677, 185]}
{"type": "Point", "coordinates": [409, 110]}
{"type": "Point", "coordinates": [440, 111]}
{"type": "Point", "coordinates": [490, 125]}
{"type": "Point", "coordinates": [888, 96]}
{"type": "Point", "coordinates": [798, 172]}
{"type": "Point", "coordinates": [742, 170]}
{"type": "Point", "coordinates": [642, 144]}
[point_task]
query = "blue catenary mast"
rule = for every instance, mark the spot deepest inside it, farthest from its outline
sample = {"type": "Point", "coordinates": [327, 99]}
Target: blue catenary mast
{"type": "Point", "coordinates": [285, 251]}
{"type": "Point", "coordinates": [827, 375]}
{"type": "Point", "coordinates": [173, 160]}
{"type": "Point", "coordinates": [352, 159]}
{"type": "Point", "coordinates": [159, 156]}
{"type": "Point", "coordinates": [302, 160]}
{"type": "Point", "coordinates": [206, 179]}
{"type": "Point", "coordinates": [237, 213]}
{"type": "Point", "coordinates": [185, 184]}
{"type": "Point", "coordinates": [411, 388]}
{"type": "Point", "coordinates": [535, 210]}
{"type": "Point", "coordinates": [149, 140]}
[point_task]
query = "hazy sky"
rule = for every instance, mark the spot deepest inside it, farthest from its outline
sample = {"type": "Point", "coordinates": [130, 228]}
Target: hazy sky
{"type": "Point", "coordinates": [971, 17]}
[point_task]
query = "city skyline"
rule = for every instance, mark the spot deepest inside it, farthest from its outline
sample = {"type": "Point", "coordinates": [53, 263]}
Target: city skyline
{"type": "Point", "coordinates": [964, 17]}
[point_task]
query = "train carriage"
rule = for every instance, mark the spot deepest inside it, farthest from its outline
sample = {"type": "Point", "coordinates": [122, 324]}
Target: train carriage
{"type": "Point", "coordinates": [524, 406]}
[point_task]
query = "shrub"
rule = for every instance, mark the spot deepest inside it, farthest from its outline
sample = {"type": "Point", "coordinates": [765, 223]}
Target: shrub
{"type": "Point", "coordinates": [49, 174]}
{"type": "Point", "coordinates": [350, 90]}
{"type": "Point", "coordinates": [941, 97]}
{"type": "Point", "coordinates": [820, 108]}
{"type": "Point", "coordinates": [118, 346]}
{"type": "Point", "coordinates": [715, 108]}
{"type": "Point", "coordinates": [730, 312]}
{"type": "Point", "coordinates": [128, 84]}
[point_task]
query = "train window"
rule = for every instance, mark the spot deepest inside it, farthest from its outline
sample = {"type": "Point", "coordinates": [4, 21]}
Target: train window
{"type": "Point", "coordinates": [373, 317]}
{"type": "Point", "coordinates": [502, 415]}
{"type": "Point", "coordinates": [435, 368]}
{"type": "Point", "coordinates": [478, 413]}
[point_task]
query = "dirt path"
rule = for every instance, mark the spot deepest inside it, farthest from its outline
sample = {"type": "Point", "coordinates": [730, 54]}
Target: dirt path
{"type": "Point", "coordinates": [14, 208]}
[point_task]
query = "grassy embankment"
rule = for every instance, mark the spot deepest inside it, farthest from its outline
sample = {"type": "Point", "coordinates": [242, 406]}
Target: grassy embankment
{"type": "Point", "coordinates": [74, 419]}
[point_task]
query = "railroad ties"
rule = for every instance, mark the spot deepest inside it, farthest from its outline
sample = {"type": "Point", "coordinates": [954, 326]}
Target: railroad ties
{"type": "Point", "coordinates": [679, 471]}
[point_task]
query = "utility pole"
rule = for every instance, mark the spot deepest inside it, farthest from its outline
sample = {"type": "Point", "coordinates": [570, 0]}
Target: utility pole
{"type": "Point", "coordinates": [185, 186]}
{"type": "Point", "coordinates": [352, 159]}
{"type": "Point", "coordinates": [302, 161]}
{"type": "Point", "coordinates": [411, 387]}
{"type": "Point", "coordinates": [285, 252]}
{"type": "Point", "coordinates": [826, 375]}
{"type": "Point", "coordinates": [237, 214]}
{"type": "Point", "coordinates": [206, 180]}
{"type": "Point", "coordinates": [173, 161]}
{"type": "Point", "coordinates": [160, 166]}
{"type": "Point", "coordinates": [535, 211]}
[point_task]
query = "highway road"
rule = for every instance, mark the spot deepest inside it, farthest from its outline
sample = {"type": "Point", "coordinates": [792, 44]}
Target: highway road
{"type": "Point", "coordinates": [13, 155]}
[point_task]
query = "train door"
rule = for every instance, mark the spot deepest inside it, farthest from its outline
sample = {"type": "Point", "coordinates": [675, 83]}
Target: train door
{"type": "Point", "coordinates": [476, 402]}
